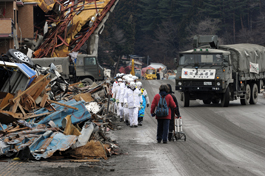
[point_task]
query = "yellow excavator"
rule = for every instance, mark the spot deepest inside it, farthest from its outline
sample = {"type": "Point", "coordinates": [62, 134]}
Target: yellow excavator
{"type": "Point", "coordinates": [132, 70]}
{"type": "Point", "coordinates": [150, 74]}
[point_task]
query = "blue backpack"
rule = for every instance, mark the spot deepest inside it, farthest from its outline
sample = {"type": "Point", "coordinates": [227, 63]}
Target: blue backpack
{"type": "Point", "coordinates": [162, 108]}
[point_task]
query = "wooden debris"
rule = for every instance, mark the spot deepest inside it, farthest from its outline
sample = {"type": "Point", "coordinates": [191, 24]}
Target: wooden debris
{"type": "Point", "coordinates": [55, 102]}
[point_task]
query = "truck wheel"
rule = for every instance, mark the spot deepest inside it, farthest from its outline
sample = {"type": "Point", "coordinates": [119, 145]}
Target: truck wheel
{"type": "Point", "coordinates": [186, 99]}
{"type": "Point", "coordinates": [254, 94]}
{"type": "Point", "coordinates": [87, 81]}
{"type": "Point", "coordinates": [216, 101]}
{"type": "Point", "coordinates": [246, 99]}
{"type": "Point", "coordinates": [225, 98]}
{"type": "Point", "coordinates": [20, 57]}
{"type": "Point", "coordinates": [207, 101]}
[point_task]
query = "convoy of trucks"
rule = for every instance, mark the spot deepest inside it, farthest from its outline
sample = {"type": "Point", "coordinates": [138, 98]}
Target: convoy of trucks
{"type": "Point", "coordinates": [212, 73]}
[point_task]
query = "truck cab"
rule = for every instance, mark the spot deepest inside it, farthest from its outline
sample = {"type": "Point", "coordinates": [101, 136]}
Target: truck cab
{"type": "Point", "coordinates": [214, 73]}
{"type": "Point", "coordinates": [203, 74]}
{"type": "Point", "coordinates": [87, 66]}
{"type": "Point", "coordinates": [84, 67]}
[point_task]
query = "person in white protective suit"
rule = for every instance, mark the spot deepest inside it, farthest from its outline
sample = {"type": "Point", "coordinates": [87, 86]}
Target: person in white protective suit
{"type": "Point", "coordinates": [120, 98]}
{"type": "Point", "coordinates": [132, 100]}
{"type": "Point", "coordinates": [115, 84]}
{"type": "Point", "coordinates": [125, 109]}
{"type": "Point", "coordinates": [146, 103]}
{"type": "Point", "coordinates": [134, 78]}
{"type": "Point", "coordinates": [116, 95]}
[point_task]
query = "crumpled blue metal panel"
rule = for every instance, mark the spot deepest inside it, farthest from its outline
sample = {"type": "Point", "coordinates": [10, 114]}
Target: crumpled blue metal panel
{"type": "Point", "coordinates": [59, 142]}
{"type": "Point", "coordinates": [61, 112]}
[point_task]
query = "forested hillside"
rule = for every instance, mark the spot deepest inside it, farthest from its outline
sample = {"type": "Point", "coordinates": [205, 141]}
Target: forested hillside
{"type": "Point", "coordinates": [162, 28]}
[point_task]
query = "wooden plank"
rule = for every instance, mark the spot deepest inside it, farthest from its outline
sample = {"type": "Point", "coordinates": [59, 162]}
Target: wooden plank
{"type": "Point", "coordinates": [74, 84]}
{"type": "Point", "coordinates": [37, 115]}
{"type": "Point", "coordinates": [31, 87]}
{"type": "Point", "coordinates": [22, 110]}
{"type": "Point", "coordinates": [5, 100]}
{"type": "Point", "coordinates": [41, 87]}
{"type": "Point", "coordinates": [55, 102]}
{"type": "Point", "coordinates": [44, 100]}
{"type": "Point", "coordinates": [87, 160]}
{"type": "Point", "coordinates": [14, 107]}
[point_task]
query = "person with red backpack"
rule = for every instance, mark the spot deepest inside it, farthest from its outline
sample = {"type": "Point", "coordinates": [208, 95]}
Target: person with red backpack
{"type": "Point", "coordinates": [161, 108]}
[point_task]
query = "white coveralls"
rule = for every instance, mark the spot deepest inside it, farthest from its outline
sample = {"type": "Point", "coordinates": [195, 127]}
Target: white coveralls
{"type": "Point", "coordinates": [133, 98]}
{"type": "Point", "coordinates": [125, 109]}
{"type": "Point", "coordinates": [120, 98]}
{"type": "Point", "coordinates": [115, 84]}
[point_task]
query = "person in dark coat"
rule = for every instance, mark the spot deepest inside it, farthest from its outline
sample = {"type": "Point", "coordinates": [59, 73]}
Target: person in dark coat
{"type": "Point", "coordinates": [163, 122]}
{"type": "Point", "coordinates": [171, 124]}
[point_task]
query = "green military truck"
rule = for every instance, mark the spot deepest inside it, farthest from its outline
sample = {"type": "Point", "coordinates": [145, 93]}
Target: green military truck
{"type": "Point", "coordinates": [86, 68]}
{"type": "Point", "coordinates": [220, 73]}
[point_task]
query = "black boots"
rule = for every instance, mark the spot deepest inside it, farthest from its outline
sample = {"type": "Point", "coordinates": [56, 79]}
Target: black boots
{"type": "Point", "coordinates": [140, 121]}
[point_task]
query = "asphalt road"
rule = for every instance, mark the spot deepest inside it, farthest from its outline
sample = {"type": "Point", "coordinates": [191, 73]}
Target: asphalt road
{"type": "Point", "coordinates": [220, 141]}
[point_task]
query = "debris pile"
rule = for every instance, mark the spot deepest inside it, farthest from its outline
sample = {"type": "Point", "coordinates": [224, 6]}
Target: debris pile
{"type": "Point", "coordinates": [47, 117]}
{"type": "Point", "coordinates": [66, 25]}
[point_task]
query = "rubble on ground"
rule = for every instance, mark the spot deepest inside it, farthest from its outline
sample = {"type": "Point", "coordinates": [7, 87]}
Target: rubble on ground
{"type": "Point", "coordinates": [48, 117]}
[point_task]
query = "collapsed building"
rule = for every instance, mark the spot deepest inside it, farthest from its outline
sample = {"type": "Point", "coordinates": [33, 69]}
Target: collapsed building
{"type": "Point", "coordinates": [38, 106]}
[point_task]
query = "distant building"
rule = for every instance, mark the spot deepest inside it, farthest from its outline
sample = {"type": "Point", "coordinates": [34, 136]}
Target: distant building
{"type": "Point", "coordinates": [16, 23]}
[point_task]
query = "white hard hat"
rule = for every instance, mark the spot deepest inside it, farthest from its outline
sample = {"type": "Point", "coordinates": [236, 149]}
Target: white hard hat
{"type": "Point", "coordinates": [139, 84]}
{"type": "Point", "coordinates": [130, 80]}
{"type": "Point", "coordinates": [119, 80]}
{"type": "Point", "coordinates": [132, 84]}
{"type": "Point", "coordinates": [130, 76]}
{"type": "Point", "coordinates": [134, 77]}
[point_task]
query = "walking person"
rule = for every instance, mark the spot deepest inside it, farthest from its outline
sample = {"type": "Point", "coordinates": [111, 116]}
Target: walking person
{"type": "Point", "coordinates": [173, 112]}
{"type": "Point", "coordinates": [145, 103]}
{"type": "Point", "coordinates": [161, 108]}
{"type": "Point", "coordinates": [133, 100]}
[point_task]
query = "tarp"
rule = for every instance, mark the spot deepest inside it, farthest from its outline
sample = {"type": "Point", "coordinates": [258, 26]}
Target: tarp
{"type": "Point", "coordinates": [145, 68]}
{"type": "Point", "coordinates": [243, 54]}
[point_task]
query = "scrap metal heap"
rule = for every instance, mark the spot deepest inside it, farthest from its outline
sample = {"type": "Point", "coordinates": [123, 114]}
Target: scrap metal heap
{"type": "Point", "coordinates": [68, 25]}
{"type": "Point", "coordinates": [39, 119]}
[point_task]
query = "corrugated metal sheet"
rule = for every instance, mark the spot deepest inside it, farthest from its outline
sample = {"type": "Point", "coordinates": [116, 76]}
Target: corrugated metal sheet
{"type": "Point", "coordinates": [61, 112]}
{"type": "Point", "coordinates": [59, 142]}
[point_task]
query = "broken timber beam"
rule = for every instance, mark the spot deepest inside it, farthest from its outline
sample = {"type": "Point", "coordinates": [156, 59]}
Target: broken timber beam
{"type": "Point", "coordinates": [55, 102]}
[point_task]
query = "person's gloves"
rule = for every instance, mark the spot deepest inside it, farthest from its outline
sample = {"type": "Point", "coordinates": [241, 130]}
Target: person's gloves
{"type": "Point", "coordinates": [121, 104]}
{"type": "Point", "coordinates": [126, 105]}
{"type": "Point", "coordinates": [153, 115]}
{"type": "Point", "coordinates": [147, 105]}
{"type": "Point", "coordinates": [113, 99]}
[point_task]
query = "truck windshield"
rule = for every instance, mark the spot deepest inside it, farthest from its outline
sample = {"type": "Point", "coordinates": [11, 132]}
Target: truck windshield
{"type": "Point", "coordinates": [201, 59]}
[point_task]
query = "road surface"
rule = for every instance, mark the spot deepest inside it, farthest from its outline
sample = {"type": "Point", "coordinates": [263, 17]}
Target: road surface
{"type": "Point", "coordinates": [220, 142]}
